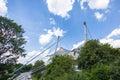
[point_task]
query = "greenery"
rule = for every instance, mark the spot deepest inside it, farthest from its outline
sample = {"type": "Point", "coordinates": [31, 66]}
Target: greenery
{"type": "Point", "coordinates": [37, 74]}
{"type": "Point", "coordinates": [6, 69]}
{"type": "Point", "coordinates": [61, 67]}
{"type": "Point", "coordinates": [103, 72]}
{"type": "Point", "coordinates": [96, 61]}
{"type": "Point", "coordinates": [11, 38]}
{"type": "Point", "coordinates": [99, 61]}
{"type": "Point", "coordinates": [12, 41]}
{"type": "Point", "coordinates": [94, 53]}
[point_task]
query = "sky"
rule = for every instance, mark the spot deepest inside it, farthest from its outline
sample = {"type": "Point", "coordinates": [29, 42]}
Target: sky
{"type": "Point", "coordinates": [45, 20]}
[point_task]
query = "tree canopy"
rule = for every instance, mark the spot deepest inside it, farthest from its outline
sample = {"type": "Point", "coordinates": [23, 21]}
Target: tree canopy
{"type": "Point", "coordinates": [96, 61]}
{"type": "Point", "coordinates": [99, 61]}
{"type": "Point", "coordinates": [59, 67]}
{"type": "Point", "coordinates": [94, 52]}
{"type": "Point", "coordinates": [11, 38]}
{"type": "Point", "coordinates": [37, 74]}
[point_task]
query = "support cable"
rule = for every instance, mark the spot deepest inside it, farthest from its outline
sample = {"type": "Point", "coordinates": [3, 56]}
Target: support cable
{"type": "Point", "coordinates": [33, 59]}
{"type": "Point", "coordinates": [89, 33]}
{"type": "Point", "coordinates": [56, 46]}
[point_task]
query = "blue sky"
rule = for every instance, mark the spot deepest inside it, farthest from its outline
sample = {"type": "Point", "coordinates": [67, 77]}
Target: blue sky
{"type": "Point", "coordinates": [44, 20]}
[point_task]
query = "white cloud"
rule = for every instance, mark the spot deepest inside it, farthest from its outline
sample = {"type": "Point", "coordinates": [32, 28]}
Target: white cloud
{"type": "Point", "coordinates": [46, 38]}
{"type": "Point", "coordinates": [115, 32]}
{"type": "Point", "coordinates": [111, 40]}
{"type": "Point", "coordinates": [3, 7]}
{"type": "Point", "coordinates": [114, 43]}
{"type": "Point", "coordinates": [98, 4]}
{"type": "Point", "coordinates": [78, 45]}
{"type": "Point", "coordinates": [52, 21]}
{"type": "Point", "coordinates": [82, 4]}
{"type": "Point", "coordinates": [58, 32]}
{"type": "Point", "coordinates": [95, 4]}
{"type": "Point", "coordinates": [31, 55]}
{"type": "Point", "coordinates": [99, 16]}
{"type": "Point", "coordinates": [60, 7]}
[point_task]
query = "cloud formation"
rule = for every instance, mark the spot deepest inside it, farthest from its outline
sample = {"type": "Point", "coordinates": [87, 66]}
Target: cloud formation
{"type": "Point", "coordinates": [113, 42]}
{"type": "Point", "coordinates": [115, 32]}
{"type": "Point", "coordinates": [31, 55]}
{"type": "Point", "coordinates": [110, 39]}
{"type": "Point", "coordinates": [77, 45]}
{"type": "Point", "coordinates": [60, 7]}
{"type": "Point", "coordinates": [96, 5]}
{"type": "Point", "coordinates": [99, 16]}
{"type": "Point", "coordinates": [46, 38]}
{"type": "Point", "coordinates": [3, 7]}
{"type": "Point", "coordinates": [82, 4]}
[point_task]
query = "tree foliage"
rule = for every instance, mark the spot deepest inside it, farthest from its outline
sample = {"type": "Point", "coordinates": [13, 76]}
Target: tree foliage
{"type": "Point", "coordinates": [94, 53]}
{"type": "Point", "coordinates": [99, 61]}
{"type": "Point", "coordinates": [37, 74]}
{"type": "Point", "coordinates": [11, 37]}
{"type": "Point", "coordinates": [104, 72]}
{"type": "Point", "coordinates": [96, 61]}
{"type": "Point", "coordinates": [6, 69]}
{"type": "Point", "coordinates": [59, 68]}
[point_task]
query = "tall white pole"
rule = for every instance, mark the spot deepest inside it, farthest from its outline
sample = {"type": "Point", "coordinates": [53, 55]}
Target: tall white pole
{"type": "Point", "coordinates": [85, 31]}
{"type": "Point", "coordinates": [56, 45]}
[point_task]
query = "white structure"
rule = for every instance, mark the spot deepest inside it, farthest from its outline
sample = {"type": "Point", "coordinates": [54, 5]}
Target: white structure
{"type": "Point", "coordinates": [74, 53]}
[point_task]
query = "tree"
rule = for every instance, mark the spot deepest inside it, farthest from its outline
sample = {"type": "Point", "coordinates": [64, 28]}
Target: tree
{"type": "Point", "coordinates": [104, 72]}
{"type": "Point", "coordinates": [59, 68]}
{"type": "Point", "coordinates": [94, 52]}
{"type": "Point", "coordinates": [26, 68]}
{"type": "Point", "coordinates": [99, 61]}
{"type": "Point", "coordinates": [87, 56]}
{"type": "Point", "coordinates": [11, 40]}
{"type": "Point", "coordinates": [38, 72]}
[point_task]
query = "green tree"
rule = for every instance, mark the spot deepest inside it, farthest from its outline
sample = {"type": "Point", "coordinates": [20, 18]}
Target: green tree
{"type": "Point", "coordinates": [87, 57]}
{"type": "Point", "coordinates": [38, 67]}
{"type": "Point", "coordinates": [104, 72]}
{"type": "Point", "coordinates": [59, 68]}
{"type": "Point", "coordinates": [99, 61]}
{"type": "Point", "coordinates": [5, 69]}
{"type": "Point", "coordinates": [11, 38]}
{"type": "Point", "coordinates": [94, 52]}
{"type": "Point", "coordinates": [27, 68]}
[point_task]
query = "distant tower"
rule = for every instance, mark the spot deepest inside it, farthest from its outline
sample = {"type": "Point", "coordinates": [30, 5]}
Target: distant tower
{"type": "Point", "coordinates": [85, 30]}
